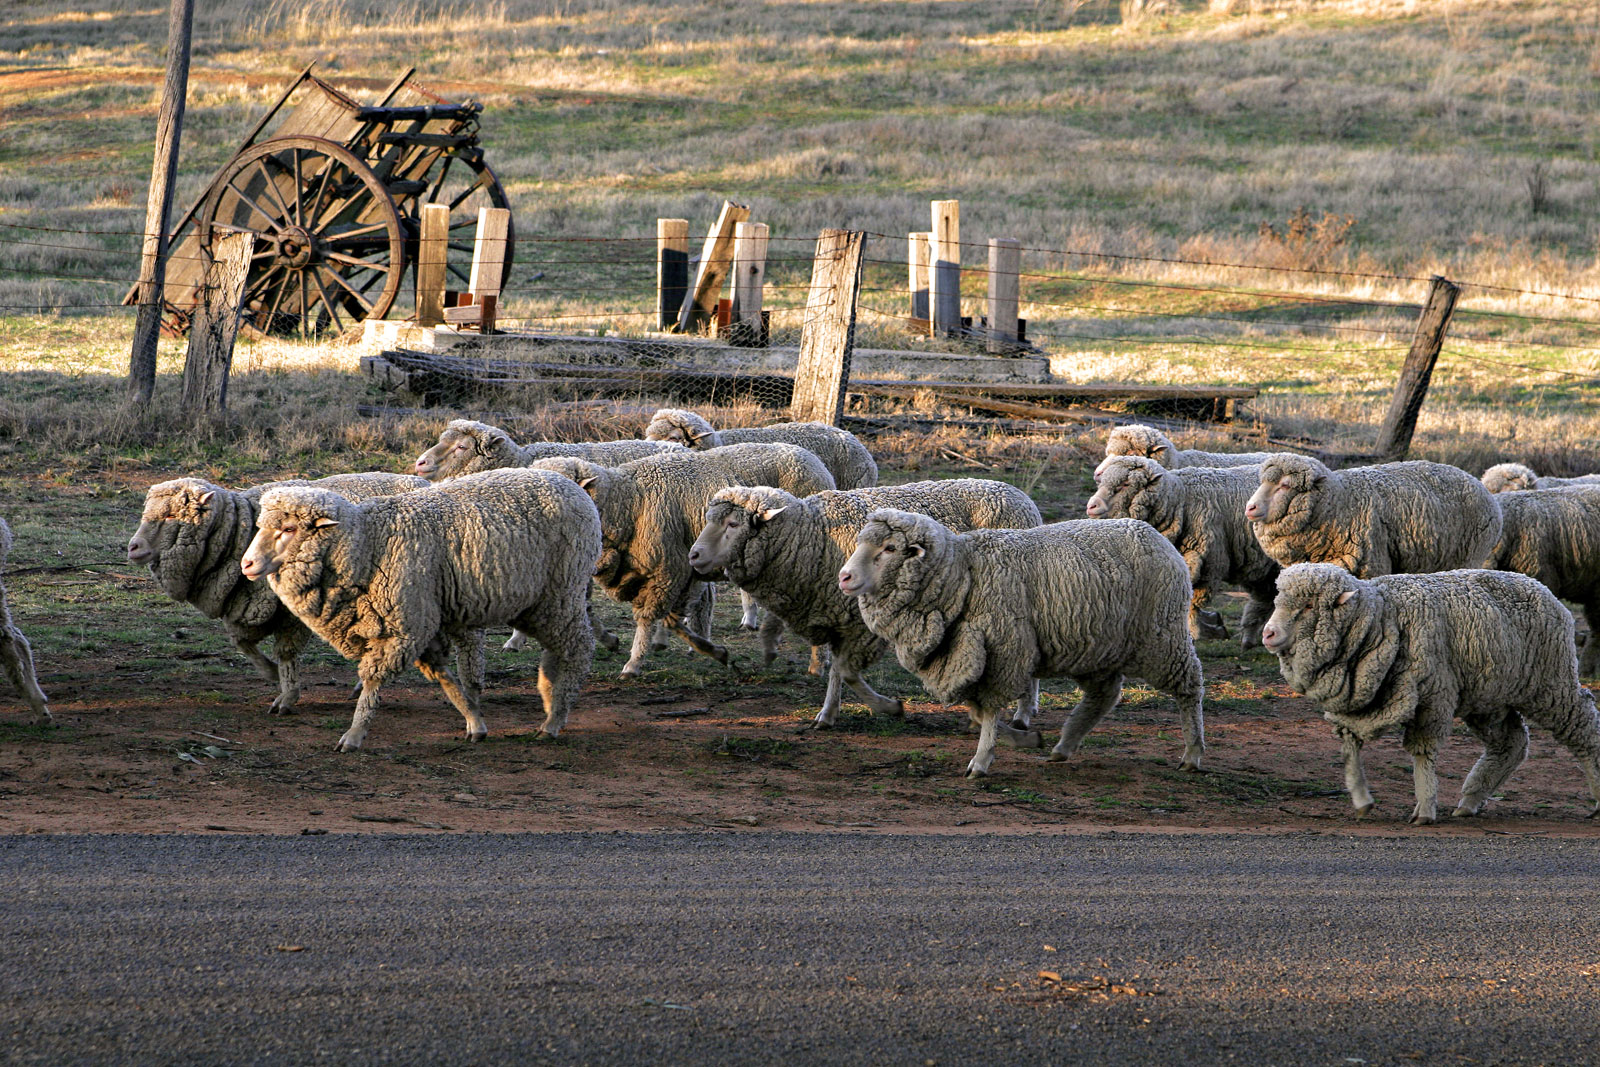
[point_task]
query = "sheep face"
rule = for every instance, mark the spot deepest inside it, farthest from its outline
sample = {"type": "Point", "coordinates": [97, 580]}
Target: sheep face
{"type": "Point", "coordinates": [883, 549]}
{"type": "Point", "coordinates": [168, 508]}
{"type": "Point", "coordinates": [466, 447]}
{"type": "Point", "coordinates": [1287, 493]}
{"type": "Point", "coordinates": [1314, 600]}
{"type": "Point", "coordinates": [1510, 478]}
{"type": "Point", "coordinates": [1122, 483]}
{"type": "Point", "coordinates": [733, 519]}
{"type": "Point", "coordinates": [293, 527]}
{"type": "Point", "coordinates": [681, 427]}
{"type": "Point", "coordinates": [1143, 441]}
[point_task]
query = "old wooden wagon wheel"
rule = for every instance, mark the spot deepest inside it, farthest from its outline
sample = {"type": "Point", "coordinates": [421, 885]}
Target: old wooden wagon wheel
{"type": "Point", "coordinates": [465, 183]}
{"type": "Point", "coordinates": [330, 245]}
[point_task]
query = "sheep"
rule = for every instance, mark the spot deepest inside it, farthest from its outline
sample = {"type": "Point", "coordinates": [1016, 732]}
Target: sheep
{"type": "Point", "coordinates": [1150, 443]}
{"type": "Point", "coordinates": [16, 655]}
{"type": "Point", "coordinates": [977, 616]}
{"type": "Point", "coordinates": [1514, 477]}
{"type": "Point", "coordinates": [1201, 511]}
{"type": "Point", "coordinates": [1553, 536]}
{"type": "Point", "coordinates": [467, 447]}
{"type": "Point", "coordinates": [192, 534]}
{"type": "Point", "coordinates": [1393, 518]}
{"type": "Point", "coordinates": [787, 552]}
{"type": "Point", "coordinates": [1414, 651]}
{"type": "Point", "coordinates": [395, 580]}
{"type": "Point", "coordinates": [846, 458]}
{"type": "Point", "coordinates": [650, 511]}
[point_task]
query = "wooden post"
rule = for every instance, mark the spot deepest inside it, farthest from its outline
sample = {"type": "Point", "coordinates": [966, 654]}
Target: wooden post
{"type": "Point", "coordinates": [215, 327]}
{"type": "Point", "coordinates": [1394, 438]}
{"type": "Point", "coordinates": [828, 331]}
{"type": "Point", "coordinates": [489, 251]}
{"type": "Point", "coordinates": [917, 279]}
{"type": "Point", "coordinates": [672, 270]}
{"type": "Point", "coordinates": [433, 250]}
{"type": "Point", "coordinates": [749, 272]}
{"type": "Point", "coordinates": [716, 259]}
{"type": "Point", "coordinates": [1005, 269]}
{"type": "Point", "coordinates": [158, 206]}
{"type": "Point", "coordinates": [944, 281]}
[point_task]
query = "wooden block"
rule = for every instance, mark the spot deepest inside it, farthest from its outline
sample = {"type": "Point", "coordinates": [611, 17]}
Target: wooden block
{"type": "Point", "coordinates": [672, 270]}
{"type": "Point", "coordinates": [489, 250]}
{"type": "Point", "coordinates": [433, 251]}
{"type": "Point", "coordinates": [944, 272]}
{"type": "Point", "coordinates": [749, 271]}
{"type": "Point", "coordinates": [467, 315]}
{"type": "Point", "coordinates": [1005, 268]}
{"type": "Point", "coordinates": [917, 274]}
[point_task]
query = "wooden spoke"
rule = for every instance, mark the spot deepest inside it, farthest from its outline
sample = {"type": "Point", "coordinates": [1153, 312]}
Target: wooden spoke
{"type": "Point", "coordinates": [248, 201]}
{"type": "Point", "coordinates": [327, 301]}
{"type": "Point", "coordinates": [469, 190]}
{"type": "Point", "coordinates": [299, 184]}
{"type": "Point", "coordinates": [288, 215]}
{"type": "Point", "coordinates": [433, 194]}
{"type": "Point", "coordinates": [353, 263]}
{"type": "Point", "coordinates": [355, 293]}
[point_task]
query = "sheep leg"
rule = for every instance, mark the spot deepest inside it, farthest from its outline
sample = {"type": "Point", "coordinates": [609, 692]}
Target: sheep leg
{"type": "Point", "coordinates": [701, 604]}
{"type": "Point", "coordinates": [658, 637]}
{"type": "Point", "coordinates": [771, 633]}
{"type": "Point", "coordinates": [366, 708]}
{"type": "Point", "coordinates": [1424, 776]}
{"type": "Point", "coordinates": [287, 646]}
{"type": "Point", "coordinates": [696, 642]}
{"type": "Point", "coordinates": [819, 660]}
{"type": "Point", "coordinates": [434, 667]}
{"type": "Point", "coordinates": [1505, 746]}
{"type": "Point", "coordinates": [519, 637]}
{"type": "Point", "coordinates": [1589, 661]}
{"type": "Point", "coordinates": [16, 659]}
{"type": "Point", "coordinates": [1204, 623]}
{"type": "Point", "coordinates": [880, 704]}
{"type": "Point", "coordinates": [751, 619]}
{"type": "Point", "coordinates": [642, 628]}
{"type": "Point", "coordinates": [981, 760]}
{"type": "Point", "coordinates": [1027, 706]}
{"type": "Point", "coordinates": [1100, 695]}
{"type": "Point", "coordinates": [1579, 733]}
{"type": "Point", "coordinates": [516, 642]}
{"type": "Point", "coordinates": [563, 668]}
{"type": "Point", "coordinates": [1355, 773]}
{"type": "Point", "coordinates": [470, 664]}
{"type": "Point", "coordinates": [832, 698]}
{"type": "Point", "coordinates": [264, 665]}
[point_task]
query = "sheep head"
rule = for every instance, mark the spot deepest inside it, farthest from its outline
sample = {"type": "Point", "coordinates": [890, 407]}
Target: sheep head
{"type": "Point", "coordinates": [466, 447]}
{"type": "Point", "coordinates": [1127, 488]}
{"type": "Point", "coordinates": [1287, 496]}
{"type": "Point", "coordinates": [735, 517]}
{"type": "Point", "coordinates": [294, 530]}
{"type": "Point", "coordinates": [1509, 478]}
{"type": "Point", "coordinates": [1136, 440]}
{"type": "Point", "coordinates": [682, 427]}
{"type": "Point", "coordinates": [168, 508]}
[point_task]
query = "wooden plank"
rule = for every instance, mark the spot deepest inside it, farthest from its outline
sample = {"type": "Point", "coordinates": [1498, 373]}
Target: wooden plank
{"type": "Point", "coordinates": [216, 327]}
{"type": "Point", "coordinates": [489, 251]}
{"type": "Point", "coordinates": [917, 275]}
{"type": "Point", "coordinates": [716, 260]}
{"type": "Point", "coordinates": [433, 251]}
{"type": "Point", "coordinates": [829, 327]}
{"type": "Point", "coordinates": [944, 271]}
{"type": "Point", "coordinates": [1005, 269]}
{"type": "Point", "coordinates": [749, 271]}
{"type": "Point", "coordinates": [1394, 436]}
{"type": "Point", "coordinates": [672, 270]}
{"type": "Point", "coordinates": [463, 315]}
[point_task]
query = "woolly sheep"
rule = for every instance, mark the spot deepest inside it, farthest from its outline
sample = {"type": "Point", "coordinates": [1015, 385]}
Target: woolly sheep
{"type": "Point", "coordinates": [192, 534]}
{"type": "Point", "coordinates": [1553, 536]}
{"type": "Point", "coordinates": [1514, 477]}
{"type": "Point", "coordinates": [1393, 518]}
{"type": "Point", "coordinates": [1150, 443]}
{"type": "Point", "coordinates": [650, 511]}
{"type": "Point", "coordinates": [467, 447]}
{"type": "Point", "coordinates": [1201, 511]}
{"type": "Point", "coordinates": [1414, 651]}
{"type": "Point", "coordinates": [978, 616]}
{"type": "Point", "coordinates": [392, 581]}
{"type": "Point", "coordinates": [846, 458]}
{"type": "Point", "coordinates": [16, 656]}
{"type": "Point", "coordinates": [788, 552]}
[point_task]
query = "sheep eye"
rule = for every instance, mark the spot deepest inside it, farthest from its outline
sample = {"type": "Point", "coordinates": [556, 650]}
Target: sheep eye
{"type": "Point", "coordinates": [288, 531]}
{"type": "Point", "coordinates": [888, 548]}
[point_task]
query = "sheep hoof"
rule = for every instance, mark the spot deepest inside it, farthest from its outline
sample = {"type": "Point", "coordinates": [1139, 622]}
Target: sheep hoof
{"type": "Point", "coordinates": [1464, 811]}
{"type": "Point", "coordinates": [474, 736]}
{"type": "Point", "coordinates": [347, 744]}
{"type": "Point", "coordinates": [1213, 631]}
{"type": "Point", "coordinates": [630, 671]}
{"type": "Point", "coordinates": [1058, 756]}
{"type": "Point", "coordinates": [1190, 765]}
{"type": "Point", "coordinates": [974, 772]}
{"type": "Point", "coordinates": [274, 708]}
{"type": "Point", "coordinates": [1363, 810]}
{"type": "Point", "coordinates": [823, 721]}
{"type": "Point", "coordinates": [746, 624]}
{"type": "Point", "coordinates": [898, 710]}
{"type": "Point", "coordinates": [1423, 820]}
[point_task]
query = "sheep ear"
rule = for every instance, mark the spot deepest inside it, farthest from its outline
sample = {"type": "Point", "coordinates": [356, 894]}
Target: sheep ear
{"type": "Point", "coordinates": [590, 485]}
{"type": "Point", "coordinates": [914, 551]}
{"type": "Point", "coordinates": [1156, 476]}
{"type": "Point", "coordinates": [771, 513]}
{"type": "Point", "coordinates": [1344, 597]}
{"type": "Point", "coordinates": [324, 521]}
{"type": "Point", "coordinates": [205, 497]}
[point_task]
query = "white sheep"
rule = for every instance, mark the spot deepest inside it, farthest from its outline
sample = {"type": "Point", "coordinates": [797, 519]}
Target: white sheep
{"type": "Point", "coordinates": [978, 616]}
{"type": "Point", "coordinates": [396, 580]}
{"type": "Point", "coordinates": [651, 510]}
{"type": "Point", "coordinates": [1412, 652]}
{"type": "Point", "coordinates": [16, 656]}
{"type": "Point", "coordinates": [1515, 478]}
{"type": "Point", "coordinates": [1201, 511]}
{"type": "Point", "coordinates": [192, 535]}
{"type": "Point", "coordinates": [788, 551]}
{"type": "Point", "coordinates": [1150, 443]}
{"type": "Point", "coordinates": [1553, 536]}
{"type": "Point", "coordinates": [846, 458]}
{"type": "Point", "coordinates": [1392, 518]}
{"type": "Point", "coordinates": [467, 447]}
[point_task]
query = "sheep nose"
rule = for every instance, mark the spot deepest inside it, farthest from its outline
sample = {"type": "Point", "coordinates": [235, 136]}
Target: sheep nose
{"type": "Point", "coordinates": [423, 466]}
{"type": "Point", "coordinates": [846, 578]}
{"type": "Point", "coordinates": [1251, 511]}
{"type": "Point", "coordinates": [137, 549]}
{"type": "Point", "coordinates": [1094, 508]}
{"type": "Point", "coordinates": [696, 557]}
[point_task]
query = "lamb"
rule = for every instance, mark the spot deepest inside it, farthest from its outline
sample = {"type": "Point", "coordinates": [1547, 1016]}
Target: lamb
{"type": "Point", "coordinates": [1514, 478]}
{"type": "Point", "coordinates": [786, 551]}
{"type": "Point", "coordinates": [1393, 518]}
{"type": "Point", "coordinates": [16, 655]}
{"type": "Point", "coordinates": [977, 616]}
{"type": "Point", "coordinates": [1150, 443]}
{"type": "Point", "coordinates": [1553, 536]}
{"type": "Point", "coordinates": [395, 580]}
{"type": "Point", "coordinates": [466, 447]}
{"type": "Point", "coordinates": [1414, 651]}
{"type": "Point", "coordinates": [846, 458]}
{"type": "Point", "coordinates": [192, 534]}
{"type": "Point", "coordinates": [650, 511]}
{"type": "Point", "coordinates": [1201, 511]}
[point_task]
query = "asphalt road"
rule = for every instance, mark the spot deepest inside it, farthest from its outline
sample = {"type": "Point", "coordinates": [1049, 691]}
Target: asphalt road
{"type": "Point", "coordinates": [792, 949]}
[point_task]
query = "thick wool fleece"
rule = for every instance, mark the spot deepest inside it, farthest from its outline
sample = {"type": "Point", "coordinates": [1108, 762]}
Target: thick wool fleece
{"type": "Point", "coordinates": [1394, 518]}
{"type": "Point", "coordinates": [1411, 652]}
{"type": "Point", "coordinates": [199, 531]}
{"type": "Point", "coordinates": [393, 581]}
{"type": "Point", "coordinates": [1147, 442]}
{"type": "Point", "coordinates": [1200, 510]}
{"type": "Point", "coordinates": [16, 656]}
{"type": "Point", "coordinates": [978, 616]}
{"type": "Point", "coordinates": [787, 552]}
{"type": "Point", "coordinates": [1553, 536]}
{"type": "Point", "coordinates": [467, 447]}
{"type": "Point", "coordinates": [1516, 478]}
{"type": "Point", "coordinates": [846, 458]}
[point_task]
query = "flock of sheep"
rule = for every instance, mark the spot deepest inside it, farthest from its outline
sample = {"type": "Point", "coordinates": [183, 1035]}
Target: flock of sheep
{"type": "Point", "coordinates": [1400, 596]}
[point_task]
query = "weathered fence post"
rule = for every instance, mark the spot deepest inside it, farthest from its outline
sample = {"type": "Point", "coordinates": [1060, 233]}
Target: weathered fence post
{"type": "Point", "coordinates": [1394, 438]}
{"type": "Point", "coordinates": [1005, 270]}
{"type": "Point", "coordinates": [158, 207]}
{"type": "Point", "coordinates": [828, 333]}
{"type": "Point", "coordinates": [716, 258]}
{"type": "Point", "coordinates": [480, 304]}
{"type": "Point", "coordinates": [215, 326]}
{"type": "Point", "coordinates": [917, 275]}
{"type": "Point", "coordinates": [672, 270]}
{"type": "Point", "coordinates": [433, 251]}
{"type": "Point", "coordinates": [944, 273]}
{"type": "Point", "coordinates": [749, 276]}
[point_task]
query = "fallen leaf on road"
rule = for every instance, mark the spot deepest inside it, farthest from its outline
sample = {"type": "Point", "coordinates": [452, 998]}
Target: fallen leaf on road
{"type": "Point", "coordinates": [290, 948]}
